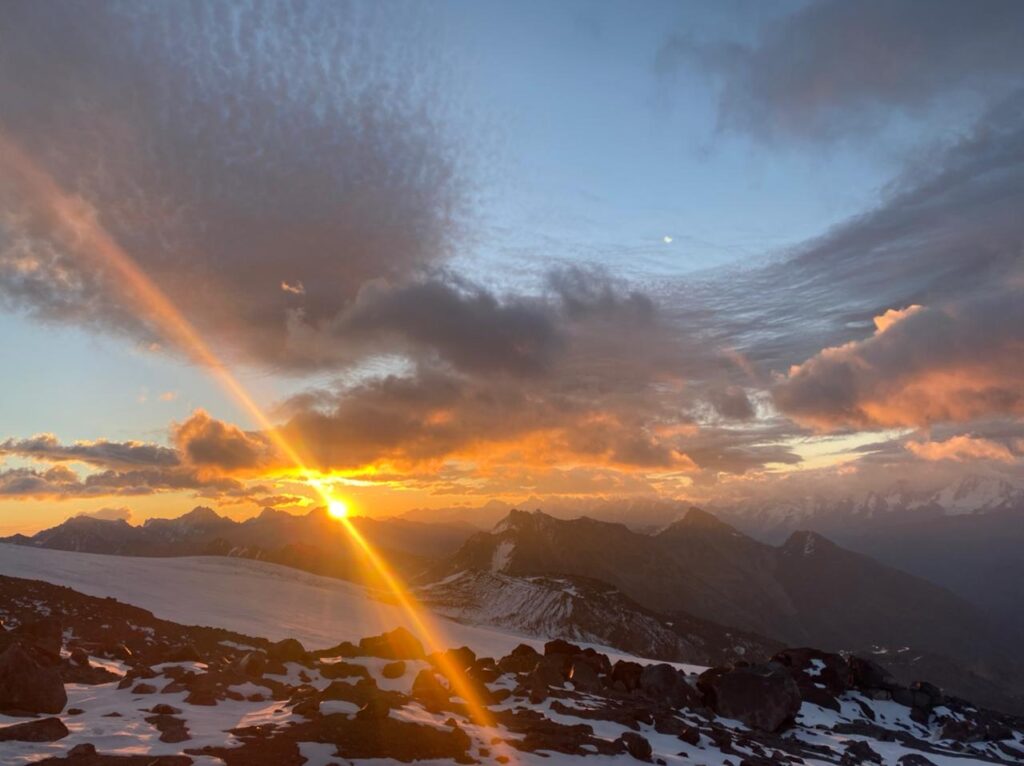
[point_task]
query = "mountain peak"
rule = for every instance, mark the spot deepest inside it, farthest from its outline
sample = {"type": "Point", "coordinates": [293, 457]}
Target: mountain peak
{"type": "Point", "coordinates": [518, 521]}
{"type": "Point", "coordinates": [806, 543]}
{"type": "Point", "coordinates": [696, 519]}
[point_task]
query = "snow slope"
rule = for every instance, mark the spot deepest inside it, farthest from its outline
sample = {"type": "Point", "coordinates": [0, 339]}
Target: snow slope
{"type": "Point", "coordinates": [251, 597]}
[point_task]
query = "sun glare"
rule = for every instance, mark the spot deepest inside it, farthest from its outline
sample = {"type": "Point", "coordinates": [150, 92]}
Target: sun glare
{"type": "Point", "coordinates": [337, 509]}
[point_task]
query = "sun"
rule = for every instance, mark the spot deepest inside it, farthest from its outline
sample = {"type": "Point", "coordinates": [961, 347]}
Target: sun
{"type": "Point", "coordinates": [337, 509]}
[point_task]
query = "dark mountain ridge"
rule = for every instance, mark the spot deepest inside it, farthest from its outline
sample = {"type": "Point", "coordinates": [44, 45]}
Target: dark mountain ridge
{"type": "Point", "coordinates": [807, 591]}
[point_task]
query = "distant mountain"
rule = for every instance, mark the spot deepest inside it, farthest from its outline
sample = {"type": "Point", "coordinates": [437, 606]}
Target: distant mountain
{"type": "Point", "coordinates": [312, 541]}
{"type": "Point", "coordinates": [578, 609]}
{"type": "Point", "coordinates": [808, 591]}
{"type": "Point", "coordinates": [900, 503]}
{"type": "Point", "coordinates": [977, 556]}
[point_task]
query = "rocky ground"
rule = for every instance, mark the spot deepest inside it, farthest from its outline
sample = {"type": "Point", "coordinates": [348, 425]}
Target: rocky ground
{"type": "Point", "coordinates": [93, 682]}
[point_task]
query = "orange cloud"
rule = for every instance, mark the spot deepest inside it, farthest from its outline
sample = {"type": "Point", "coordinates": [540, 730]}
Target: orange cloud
{"type": "Point", "coordinates": [921, 366]}
{"type": "Point", "coordinates": [961, 448]}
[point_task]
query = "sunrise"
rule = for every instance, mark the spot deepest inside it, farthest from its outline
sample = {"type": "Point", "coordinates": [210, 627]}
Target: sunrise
{"type": "Point", "coordinates": [540, 382]}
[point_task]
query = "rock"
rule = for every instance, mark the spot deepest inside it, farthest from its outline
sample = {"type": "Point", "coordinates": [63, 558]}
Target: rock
{"type": "Point", "coordinates": [584, 678]}
{"type": "Point", "coordinates": [287, 650]}
{"type": "Point", "coordinates": [867, 675]}
{"type": "Point", "coordinates": [375, 709]}
{"type": "Point", "coordinates": [40, 730]}
{"type": "Point", "coordinates": [46, 634]}
{"type": "Point", "coordinates": [558, 646]}
{"type": "Point", "coordinates": [858, 751]}
{"type": "Point", "coordinates": [763, 697]}
{"type": "Point", "coordinates": [28, 687]}
{"type": "Point", "coordinates": [184, 653]}
{"type": "Point", "coordinates": [429, 690]}
{"type": "Point", "coordinates": [811, 667]}
{"type": "Point", "coordinates": [144, 689]}
{"type": "Point", "coordinates": [665, 684]}
{"type": "Point", "coordinates": [253, 664]}
{"type": "Point", "coordinates": [913, 759]}
{"type": "Point", "coordinates": [79, 657]}
{"type": "Point", "coordinates": [636, 745]}
{"type": "Point", "coordinates": [343, 669]}
{"type": "Point", "coordinates": [462, 658]}
{"type": "Point", "coordinates": [399, 644]}
{"type": "Point", "coordinates": [171, 729]}
{"type": "Point", "coordinates": [551, 670]}
{"type": "Point", "coordinates": [163, 709]}
{"type": "Point", "coordinates": [522, 659]}
{"type": "Point", "coordinates": [625, 675]}
{"type": "Point", "coordinates": [394, 669]}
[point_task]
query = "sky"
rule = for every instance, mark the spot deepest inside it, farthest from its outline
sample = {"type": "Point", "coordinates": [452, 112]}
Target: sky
{"type": "Point", "coordinates": [466, 251]}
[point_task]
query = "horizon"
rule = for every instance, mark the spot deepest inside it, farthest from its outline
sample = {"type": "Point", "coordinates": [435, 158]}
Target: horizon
{"type": "Point", "coordinates": [407, 260]}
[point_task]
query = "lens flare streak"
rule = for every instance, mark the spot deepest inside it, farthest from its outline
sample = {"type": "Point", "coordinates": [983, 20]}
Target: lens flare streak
{"type": "Point", "coordinates": [88, 239]}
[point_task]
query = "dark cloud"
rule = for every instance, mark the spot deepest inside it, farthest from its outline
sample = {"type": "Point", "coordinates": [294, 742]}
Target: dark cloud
{"type": "Point", "coordinates": [205, 442]}
{"type": "Point", "coordinates": [230, 150]}
{"type": "Point", "coordinates": [60, 482]}
{"type": "Point", "coordinates": [98, 453]}
{"type": "Point", "coordinates": [835, 69]}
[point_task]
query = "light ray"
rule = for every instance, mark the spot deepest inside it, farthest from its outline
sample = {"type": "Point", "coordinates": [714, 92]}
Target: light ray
{"type": "Point", "coordinates": [90, 240]}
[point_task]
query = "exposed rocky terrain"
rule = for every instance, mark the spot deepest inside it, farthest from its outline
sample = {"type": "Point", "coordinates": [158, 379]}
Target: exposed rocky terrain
{"type": "Point", "coordinates": [808, 591]}
{"type": "Point", "coordinates": [93, 682]}
{"type": "Point", "coordinates": [590, 611]}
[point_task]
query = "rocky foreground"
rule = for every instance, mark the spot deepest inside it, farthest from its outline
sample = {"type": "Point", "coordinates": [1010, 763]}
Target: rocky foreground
{"type": "Point", "coordinates": [93, 682]}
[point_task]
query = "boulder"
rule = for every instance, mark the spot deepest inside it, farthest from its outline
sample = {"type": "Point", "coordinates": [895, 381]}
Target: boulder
{"type": "Point", "coordinates": [47, 634]}
{"type": "Point", "coordinates": [625, 675]}
{"type": "Point", "coordinates": [394, 669]}
{"type": "Point", "coordinates": [858, 752]}
{"type": "Point", "coordinates": [558, 646]}
{"type": "Point", "coordinates": [522, 659]}
{"type": "Point", "coordinates": [763, 697]}
{"type": "Point", "coordinates": [398, 644]}
{"type": "Point", "coordinates": [253, 664]}
{"type": "Point", "coordinates": [429, 690]}
{"type": "Point", "coordinates": [40, 730]}
{"type": "Point", "coordinates": [813, 668]}
{"type": "Point", "coordinates": [584, 678]}
{"type": "Point", "coordinates": [636, 745]}
{"type": "Point", "coordinates": [663, 683]}
{"type": "Point", "coordinates": [287, 650]}
{"type": "Point", "coordinates": [867, 675]}
{"type": "Point", "coordinates": [28, 687]}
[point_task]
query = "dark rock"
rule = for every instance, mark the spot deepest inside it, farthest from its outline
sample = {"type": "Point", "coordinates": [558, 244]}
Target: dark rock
{"type": "Point", "coordinates": [811, 667]}
{"type": "Point", "coordinates": [858, 751]}
{"type": "Point", "coordinates": [868, 675]}
{"type": "Point", "coordinates": [79, 657]}
{"type": "Point", "coordinates": [664, 683]}
{"type": "Point", "coordinates": [558, 646]}
{"type": "Point", "coordinates": [144, 689]}
{"type": "Point", "coordinates": [913, 759]}
{"type": "Point", "coordinates": [399, 644]}
{"type": "Point", "coordinates": [171, 729]}
{"type": "Point", "coordinates": [636, 745]}
{"type": "Point", "coordinates": [375, 709]}
{"type": "Point", "coordinates": [46, 634]}
{"type": "Point", "coordinates": [163, 709]}
{"type": "Point", "coordinates": [763, 697]}
{"type": "Point", "coordinates": [522, 659]}
{"type": "Point", "coordinates": [40, 730]}
{"type": "Point", "coordinates": [625, 675]}
{"type": "Point", "coordinates": [551, 670]}
{"type": "Point", "coordinates": [287, 650]}
{"type": "Point", "coordinates": [28, 687]}
{"type": "Point", "coordinates": [429, 690]}
{"type": "Point", "coordinates": [343, 669]}
{"type": "Point", "coordinates": [253, 664]}
{"type": "Point", "coordinates": [394, 669]}
{"type": "Point", "coordinates": [584, 678]}
{"type": "Point", "coordinates": [183, 653]}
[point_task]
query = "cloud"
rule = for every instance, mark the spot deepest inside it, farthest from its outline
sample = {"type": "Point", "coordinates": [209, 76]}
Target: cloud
{"type": "Point", "coordinates": [109, 514]}
{"type": "Point", "coordinates": [962, 448]}
{"type": "Point", "coordinates": [836, 69]}
{"type": "Point", "coordinates": [932, 365]}
{"type": "Point", "coordinates": [205, 442]}
{"type": "Point", "coordinates": [100, 452]}
{"type": "Point", "coordinates": [216, 145]}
